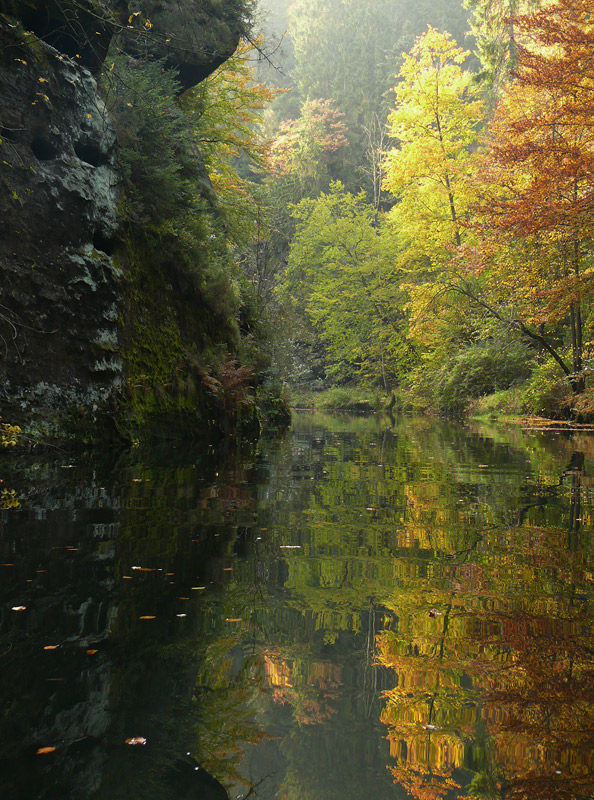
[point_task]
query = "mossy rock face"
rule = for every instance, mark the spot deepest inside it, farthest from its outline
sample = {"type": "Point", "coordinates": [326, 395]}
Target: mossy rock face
{"type": "Point", "coordinates": [103, 334]}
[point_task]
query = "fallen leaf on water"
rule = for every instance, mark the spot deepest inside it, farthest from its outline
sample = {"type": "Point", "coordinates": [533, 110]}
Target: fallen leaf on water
{"type": "Point", "coordinates": [181, 615]}
{"type": "Point", "coordinates": [227, 569]}
{"type": "Point", "coordinates": [92, 652]}
{"type": "Point", "coordinates": [169, 574]}
{"type": "Point", "coordinates": [6, 565]}
{"type": "Point", "coordinates": [143, 569]}
{"type": "Point", "coordinates": [136, 740]}
{"type": "Point", "coordinates": [183, 598]}
{"type": "Point", "coordinates": [198, 588]}
{"type": "Point", "coordinates": [126, 577]}
{"type": "Point", "coordinates": [147, 616]}
{"type": "Point", "coordinates": [19, 608]}
{"type": "Point", "coordinates": [234, 619]}
{"type": "Point", "coordinates": [43, 750]}
{"type": "Point", "coordinates": [51, 647]}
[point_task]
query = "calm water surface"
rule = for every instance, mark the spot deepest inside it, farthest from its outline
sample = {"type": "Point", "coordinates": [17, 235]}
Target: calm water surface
{"type": "Point", "coordinates": [356, 610]}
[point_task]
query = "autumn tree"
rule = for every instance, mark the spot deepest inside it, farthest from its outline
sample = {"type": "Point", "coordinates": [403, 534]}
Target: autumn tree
{"type": "Point", "coordinates": [435, 122]}
{"type": "Point", "coordinates": [430, 173]}
{"type": "Point", "coordinates": [226, 113]}
{"type": "Point", "coordinates": [303, 152]}
{"type": "Point", "coordinates": [541, 175]}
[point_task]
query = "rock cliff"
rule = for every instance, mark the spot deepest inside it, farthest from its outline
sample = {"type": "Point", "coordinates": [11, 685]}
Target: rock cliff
{"type": "Point", "coordinates": [63, 311]}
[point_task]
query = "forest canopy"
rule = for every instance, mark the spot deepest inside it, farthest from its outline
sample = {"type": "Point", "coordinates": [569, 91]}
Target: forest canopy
{"type": "Point", "coordinates": [431, 174]}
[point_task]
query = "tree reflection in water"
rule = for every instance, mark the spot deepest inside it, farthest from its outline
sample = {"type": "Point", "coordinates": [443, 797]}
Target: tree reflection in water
{"type": "Point", "coordinates": [496, 688]}
{"type": "Point", "coordinates": [361, 608]}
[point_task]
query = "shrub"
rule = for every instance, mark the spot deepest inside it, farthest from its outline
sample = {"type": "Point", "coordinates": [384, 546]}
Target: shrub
{"type": "Point", "coordinates": [478, 370]}
{"type": "Point", "coordinates": [548, 392]}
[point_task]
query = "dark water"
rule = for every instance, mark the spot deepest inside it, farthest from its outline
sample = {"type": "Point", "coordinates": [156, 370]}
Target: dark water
{"type": "Point", "coordinates": [355, 610]}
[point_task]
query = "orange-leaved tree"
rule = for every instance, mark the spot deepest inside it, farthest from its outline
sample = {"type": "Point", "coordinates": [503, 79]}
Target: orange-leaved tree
{"type": "Point", "coordinates": [540, 170]}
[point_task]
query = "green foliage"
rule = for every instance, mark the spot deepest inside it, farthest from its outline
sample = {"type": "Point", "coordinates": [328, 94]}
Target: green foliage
{"type": "Point", "coordinates": [342, 398]}
{"type": "Point", "coordinates": [478, 370]}
{"type": "Point", "coordinates": [341, 273]}
{"type": "Point", "coordinates": [548, 392]}
{"type": "Point", "coordinates": [159, 172]}
{"type": "Point", "coordinates": [184, 218]}
{"type": "Point", "coordinates": [496, 43]}
{"type": "Point", "coordinates": [505, 403]}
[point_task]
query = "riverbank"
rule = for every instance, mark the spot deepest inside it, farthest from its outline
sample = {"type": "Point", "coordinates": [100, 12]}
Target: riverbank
{"type": "Point", "coordinates": [553, 406]}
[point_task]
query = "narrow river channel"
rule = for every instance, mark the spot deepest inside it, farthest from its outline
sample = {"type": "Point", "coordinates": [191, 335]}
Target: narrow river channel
{"type": "Point", "coordinates": [357, 609]}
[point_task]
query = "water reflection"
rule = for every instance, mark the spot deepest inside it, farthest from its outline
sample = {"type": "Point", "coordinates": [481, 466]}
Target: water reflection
{"type": "Point", "coordinates": [356, 609]}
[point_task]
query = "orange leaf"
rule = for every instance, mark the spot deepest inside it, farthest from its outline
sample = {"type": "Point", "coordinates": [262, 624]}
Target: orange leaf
{"type": "Point", "coordinates": [136, 740]}
{"type": "Point", "coordinates": [43, 750]}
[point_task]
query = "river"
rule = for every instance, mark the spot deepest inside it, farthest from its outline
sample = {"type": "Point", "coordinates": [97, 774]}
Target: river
{"type": "Point", "coordinates": [356, 609]}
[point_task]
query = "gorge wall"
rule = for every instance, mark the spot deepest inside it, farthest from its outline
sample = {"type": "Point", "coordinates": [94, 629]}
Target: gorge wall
{"type": "Point", "coordinates": [79, 301]}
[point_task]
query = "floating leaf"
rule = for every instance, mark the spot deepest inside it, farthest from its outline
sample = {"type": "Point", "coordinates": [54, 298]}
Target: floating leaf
{"type": "Point", "coordinates": [147, 616]}
{"type": "Point", "coordinates": [234, 619]}
{"type": "Point", "coordinates": [136, 740]}
{"type": "Point", "coordinates": [44, 750]}
{"type": "Point", "coordinates": [51, 647]}
{"type": "Point", "coordinates": [92, 652]}
{"type": "Point", "coordinates": [19, 608]}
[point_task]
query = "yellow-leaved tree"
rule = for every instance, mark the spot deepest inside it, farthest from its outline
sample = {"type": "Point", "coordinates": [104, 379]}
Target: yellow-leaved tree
{"type": "Point", "coordinates": [430, 172]}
